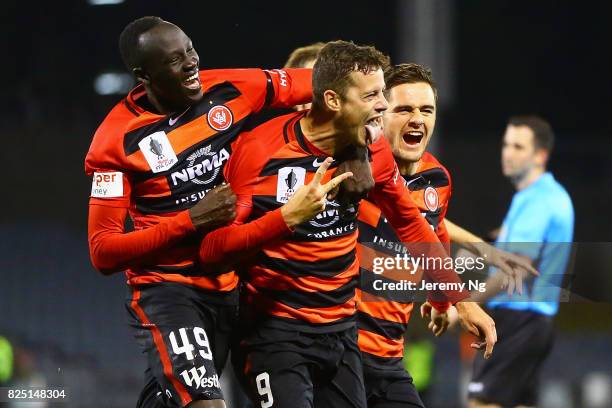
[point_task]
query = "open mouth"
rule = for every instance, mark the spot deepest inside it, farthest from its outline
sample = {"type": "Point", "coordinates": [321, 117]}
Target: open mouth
{"type": "Point", "coordinates": [192, 82]}
{"type": "Point", "coordinates": [413, 138]}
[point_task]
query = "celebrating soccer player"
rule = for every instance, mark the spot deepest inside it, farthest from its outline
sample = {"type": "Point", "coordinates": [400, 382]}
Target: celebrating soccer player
{"type": "Point", "coordinates": [158, 157]}
{"type": "Point", "coordinates": [300, 293]}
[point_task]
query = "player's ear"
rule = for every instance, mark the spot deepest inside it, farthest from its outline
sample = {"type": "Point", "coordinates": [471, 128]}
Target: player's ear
{"type": "Point", "coordinates": [332, 100]}
{"type": "Point", "coordinates": [141, 75]}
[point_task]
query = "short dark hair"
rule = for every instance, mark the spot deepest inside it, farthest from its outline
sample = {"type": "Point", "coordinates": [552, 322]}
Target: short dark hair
{"type": "Point", "coordinates": [543, 135]}
{"type": "Point", "coordinates": [336, 61]}
{"type": "Point", "coordinates": [300, 56]}
{"type": "Point", "coordinates": [129, 39]}
{"type": "Point", "coordinates": [408, 74]}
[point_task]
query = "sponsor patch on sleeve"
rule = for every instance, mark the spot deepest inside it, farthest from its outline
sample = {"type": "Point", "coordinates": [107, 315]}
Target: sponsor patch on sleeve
{"type": "Point", "coordinates": [107, 185]}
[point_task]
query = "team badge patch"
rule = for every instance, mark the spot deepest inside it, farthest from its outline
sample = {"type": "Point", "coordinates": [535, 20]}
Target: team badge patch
{"type": "Point", "coordinates": [430, 197]}
{"type": "Point", "coordinates": [107, 185]}
{"type": "Point", "coordinates": [158, 151]}
{"type": "Point", "coordinates": [220, 117]}
{"type": "Point", "coordinates": [289, 180]}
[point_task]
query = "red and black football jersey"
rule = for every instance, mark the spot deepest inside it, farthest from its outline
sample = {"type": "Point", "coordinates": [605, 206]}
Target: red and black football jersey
{"type": "Point", "coordinates": [383, 320]}
{"type": "Point", "coordinates": [158, 166]}
{"type": "Point", "coordinates": [305, 279]}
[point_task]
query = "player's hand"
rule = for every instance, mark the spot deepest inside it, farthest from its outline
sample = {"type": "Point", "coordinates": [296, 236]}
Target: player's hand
{"type": "Point", "coordinates": [438, 321]}
{"type": "Point", "coordinates": [474, 320]}
{"type": "Point", "coordinates": [309, 200]}
{"type": "Point", "coordinates": [357, 187]}
{"type": "Point", "coordinates": [514, 267]}
{"type": "Point", "coordinates": [217, 208]}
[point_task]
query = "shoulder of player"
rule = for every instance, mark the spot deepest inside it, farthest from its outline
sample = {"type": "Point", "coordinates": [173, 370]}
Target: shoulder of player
{"type": "Point", "coordinates": [429, 161]}
{"type": "Point", "coordinates": [106, 149]}
{"type": "Point", "coordinates": [108, 145]}
{"type": "Point", "coordinates": [255, 148]}
{"type": "Point", "coordinates": [212, 77]}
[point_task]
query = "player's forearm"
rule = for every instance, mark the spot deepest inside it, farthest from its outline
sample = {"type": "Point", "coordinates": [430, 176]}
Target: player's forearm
{"type": "Point", "coordinates": [420, 240]}
{"type": "Point", "coordinates": [113, 250]}
{"type": "Point", "coordinates": [462, 236]}
{"type": "Point", "coordinates": [292, 86]}
{"type": "Point", "coordinates": [229, 244]}
{"type": "Point", "coordinates": [493, 285]}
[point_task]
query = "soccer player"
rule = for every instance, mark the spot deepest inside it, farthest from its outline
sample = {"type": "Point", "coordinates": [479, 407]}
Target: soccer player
{"type": "Point", "coordinates": [300, 295]}
{"type": "Point", "coordinates": [539, 226]}
{"type": "Point", "coordinates": [409, 124]}
{"type": "Point", "coordinates": [158, 156]}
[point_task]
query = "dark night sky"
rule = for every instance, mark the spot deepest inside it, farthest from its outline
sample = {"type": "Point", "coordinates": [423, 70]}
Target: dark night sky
{"type": "Point", "coordinates": [548, 57]}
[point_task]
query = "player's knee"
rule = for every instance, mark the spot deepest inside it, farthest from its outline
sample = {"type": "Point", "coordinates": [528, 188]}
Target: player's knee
{"type": "Point", "coordinates": [218, 403]}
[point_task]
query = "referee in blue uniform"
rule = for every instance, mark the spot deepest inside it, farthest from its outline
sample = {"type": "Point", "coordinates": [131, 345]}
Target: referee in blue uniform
{"type": "Point", "coordinates": [539, 225]}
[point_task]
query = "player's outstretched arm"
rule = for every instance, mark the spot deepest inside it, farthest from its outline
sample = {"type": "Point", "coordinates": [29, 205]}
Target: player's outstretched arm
{"type": "Point", "coordinates": [513, 267]}
{"type": "Point", "coordinates": [228, 245]}
{"type": "Point", "coordinates": [113, 250]}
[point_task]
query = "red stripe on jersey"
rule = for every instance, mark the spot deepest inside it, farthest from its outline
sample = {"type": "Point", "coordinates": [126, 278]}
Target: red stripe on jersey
{"type": "Point", "coordinates": [221, 283]}
{"type": "Point", "coordinates": [310, 252]}
{"type": "Point", "coordinates": [379, 345]}
{"type": "Point", "coordinates": [319, 315]}
{"type": "Point", "coordinates": [161, 348]}
{"type": "Point", "coordinates": [275, 280]}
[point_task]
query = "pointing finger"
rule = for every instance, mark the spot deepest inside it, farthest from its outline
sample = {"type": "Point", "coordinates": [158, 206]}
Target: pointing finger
{"type": "Point", "coordinates": [321, 171]}
{"type": "Point", "coordinates": [335, 182]}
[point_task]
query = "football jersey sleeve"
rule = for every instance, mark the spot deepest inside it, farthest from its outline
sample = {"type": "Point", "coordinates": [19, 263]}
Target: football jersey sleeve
{"type": "Point", "coordinates": [279, 88]}
{"type": "Point", "coordinates": [393, 198]}
{"type": "Point", "coordinates": [112, 249]}
{"type": "Point", "coordinates": [230, 243]}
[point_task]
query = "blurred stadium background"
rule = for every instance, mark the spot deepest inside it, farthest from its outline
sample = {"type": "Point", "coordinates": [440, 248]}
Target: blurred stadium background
{"type": "Point", "coordinates": [62, 73]}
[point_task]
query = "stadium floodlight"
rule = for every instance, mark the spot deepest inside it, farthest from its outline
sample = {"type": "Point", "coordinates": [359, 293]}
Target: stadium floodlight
{"type": "Point", "coordinates": [113, 83]}
{"type": "Point", "coordinates": [104, 2]}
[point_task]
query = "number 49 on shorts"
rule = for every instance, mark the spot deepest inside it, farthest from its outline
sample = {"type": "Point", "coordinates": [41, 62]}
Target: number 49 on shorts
{"type": "Point", "coordinates": [186, 347]}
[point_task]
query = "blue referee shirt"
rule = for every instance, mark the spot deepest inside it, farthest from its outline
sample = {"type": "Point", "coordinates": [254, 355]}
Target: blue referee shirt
{"type": "Point", "coordinates": [540, 225]}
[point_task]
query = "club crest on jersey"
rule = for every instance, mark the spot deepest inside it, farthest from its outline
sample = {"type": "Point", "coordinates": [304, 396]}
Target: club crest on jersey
{"type": "Point", "coordinates": [431, 199]}
{"type": "Point", "coordinates": [289, 180]}
{"type": "Point", "coordinates": [158, 151]}
{"type": "Point", "coordinates": [220, 117]}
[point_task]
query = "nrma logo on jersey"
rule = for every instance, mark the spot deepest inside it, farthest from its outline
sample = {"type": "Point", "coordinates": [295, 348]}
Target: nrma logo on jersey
{"type": "Point", "coordinates": [203, 166]}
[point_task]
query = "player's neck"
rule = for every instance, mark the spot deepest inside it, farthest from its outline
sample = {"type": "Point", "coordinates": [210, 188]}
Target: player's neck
{"type": "Point", "coordinates": [529, 178]}
{"type": "Point", "coordinates": [408, 168]}
{"type": "Point", "coordinates": [322, 133]}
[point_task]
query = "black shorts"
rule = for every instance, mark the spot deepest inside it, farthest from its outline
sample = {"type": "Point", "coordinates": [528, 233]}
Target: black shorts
{"type": "Point", "coordinates": [390, 387]}
{"type": "Point", "coordinates": [186, 334]}
{"type": "Point", "coordinates": [510, 377]}
{"type": "Point", "coordinates": [288, 369]}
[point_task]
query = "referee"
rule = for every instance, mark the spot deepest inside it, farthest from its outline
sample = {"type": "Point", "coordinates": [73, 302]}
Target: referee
{"type": "Point", "coordinates": [539, 225]}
